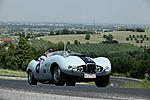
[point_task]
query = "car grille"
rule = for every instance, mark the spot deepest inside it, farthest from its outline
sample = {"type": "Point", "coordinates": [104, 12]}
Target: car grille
{"type": "Point", "coordinates": [89, 68]}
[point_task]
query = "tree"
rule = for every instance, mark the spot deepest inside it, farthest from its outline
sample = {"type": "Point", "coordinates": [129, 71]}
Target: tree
{"type": "Point", "coordinates": [25, 53]}
{"type": "Point", "coordinates": [76, 42]}
{"type": "Point", "coordinates": [3, 53]}
{"type": "Point", "coordinates": [87, 36]}
{"type": "Point", "coordinates": [109, 37]}
{"type": "Point", "coordinates": [127, 38]}
{"type": "Point", "coordinates": [140, 30]}
{"type": "Point", "coordinates": [11, 58]}
{"type": "Point", "coordinates": [65, 31]}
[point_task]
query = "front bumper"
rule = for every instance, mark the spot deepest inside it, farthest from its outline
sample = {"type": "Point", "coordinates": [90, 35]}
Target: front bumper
{"type": "Point", "coordinates": [81, 74]}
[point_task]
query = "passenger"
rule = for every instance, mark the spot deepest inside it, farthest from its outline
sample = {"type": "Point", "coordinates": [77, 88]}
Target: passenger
{"type": "Point", "coordinates": [49, 52]}
{"type": "Point", "coordinates": [68, 51]}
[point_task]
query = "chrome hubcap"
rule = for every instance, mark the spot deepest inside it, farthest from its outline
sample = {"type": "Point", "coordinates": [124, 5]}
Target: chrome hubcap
{"type": "Point", "coordinates": [30, 77]}
{"type": "Point", "coordinates": [56, 74]}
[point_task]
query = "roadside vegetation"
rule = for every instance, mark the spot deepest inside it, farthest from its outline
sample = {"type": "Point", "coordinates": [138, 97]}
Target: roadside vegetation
{"type": "Point", "coordinates": [12, 73]}
{"type": "Point", "coordinates": [145, 84]}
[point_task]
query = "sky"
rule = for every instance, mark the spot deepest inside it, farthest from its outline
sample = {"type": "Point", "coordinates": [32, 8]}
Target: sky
{"type": "Point", "coordinates": [76, 11]}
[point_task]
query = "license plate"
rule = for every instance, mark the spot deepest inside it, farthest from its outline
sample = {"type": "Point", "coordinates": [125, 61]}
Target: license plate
{"type": "Point", "coordinates": [89, 75]}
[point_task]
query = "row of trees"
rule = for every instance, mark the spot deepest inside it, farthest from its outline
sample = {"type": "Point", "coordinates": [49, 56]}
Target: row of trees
{"type": "Point", "coordinates": [137, 38]}
{"type": "Point", "coordinates": [133, 30]}
{"type": "Point", "coordinates": [66, 32]}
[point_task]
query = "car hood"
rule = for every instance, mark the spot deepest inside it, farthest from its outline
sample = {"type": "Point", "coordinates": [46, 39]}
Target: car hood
{"type": "Point", "coordinates": [74, 61]}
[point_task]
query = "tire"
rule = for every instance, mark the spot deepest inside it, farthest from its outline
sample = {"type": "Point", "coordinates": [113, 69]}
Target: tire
{"type": "Point", "coordinates": [58, 76]}
{"type": "Point", "coordinates": [31, 79]}
{"type": "Point", "coordinates": [102, 81]}
{"type": "Point", "coordinates": [72, 83]}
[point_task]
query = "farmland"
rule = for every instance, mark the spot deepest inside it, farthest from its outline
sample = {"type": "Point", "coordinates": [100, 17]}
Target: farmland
{"type": "Point", "coordinates": [87, 48]}
{"type": "Point", "coordinates": [119, 36]}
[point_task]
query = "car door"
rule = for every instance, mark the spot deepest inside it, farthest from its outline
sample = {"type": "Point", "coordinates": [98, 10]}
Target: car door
{"type": "Point", "coordinates": [43, 70]}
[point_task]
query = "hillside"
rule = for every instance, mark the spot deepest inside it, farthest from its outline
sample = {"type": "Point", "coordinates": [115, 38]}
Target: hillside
{"type": "Point", "coordinates": [119, 36]}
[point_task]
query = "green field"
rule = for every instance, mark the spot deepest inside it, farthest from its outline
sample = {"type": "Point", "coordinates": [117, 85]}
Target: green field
{"type": "Point", "coordinates": [95, 43]}
{"type": "Point", "coordinates": [88, 48]}
{"type": "Point", "coordinates": [119, 36]}
{"type": "Point", "coordinates": [99, 48]}
{"type": "Point", "coordinates": [71, 38]}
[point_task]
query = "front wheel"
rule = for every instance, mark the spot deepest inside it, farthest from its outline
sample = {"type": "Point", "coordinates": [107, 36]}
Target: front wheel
{"type": "Point", "coordinates": [31, 79]}
{"type": "Point", "coordinates": [102, 81]}
{"type": "Point", "coordinates": [58, 76]}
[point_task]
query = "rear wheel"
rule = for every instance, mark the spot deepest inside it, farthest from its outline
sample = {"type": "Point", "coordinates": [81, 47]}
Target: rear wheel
{"type": "Point", "coordinates": [102, 81]}
{"type": "Point", "coordinates": [31, 79]}
{"type": "Point", "coordinates": [58, 76]}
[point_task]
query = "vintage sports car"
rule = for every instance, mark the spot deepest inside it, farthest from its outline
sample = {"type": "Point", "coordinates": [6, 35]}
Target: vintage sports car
{"type": "Point", "coordinates": [68, 68]}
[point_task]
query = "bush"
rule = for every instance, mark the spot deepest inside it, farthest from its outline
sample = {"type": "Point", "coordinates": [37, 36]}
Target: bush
{"type": "Point", "coordinates": [147, 38]}
{"type": "Point", "coordinates": [141, 41]}
{"type": "Point", "coordinates": [68, 42]}
{"type": "Point", "coordinates": [87, 36]}
{"type": "Point", "coordinates": [140, 30]}
{"type": "Point", "coordinates": [76, 42]}
{"type": "Point", "coordinates": [141, 36]}
{"type": "Point", "coordinates": [104, 36]}
{"type": "Point", "coordinates": [127, 38]}
{"type": "Point", "coordinates": [137, 41]}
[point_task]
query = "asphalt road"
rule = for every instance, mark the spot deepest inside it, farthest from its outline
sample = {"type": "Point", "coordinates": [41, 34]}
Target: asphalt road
{"type": "Point", "coordinates": [80, 90]}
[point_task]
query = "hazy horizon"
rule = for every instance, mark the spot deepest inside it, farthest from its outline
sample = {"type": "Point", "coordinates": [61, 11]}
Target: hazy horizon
{"type": "Point", "coordinates": [76, 11]}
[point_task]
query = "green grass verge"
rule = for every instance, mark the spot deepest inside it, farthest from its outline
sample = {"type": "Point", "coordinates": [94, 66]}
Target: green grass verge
{"type": "Point", "coordinates": [145, 84]}
{"type": "Point", "coordinates": [118, 75]}
{"type": "Point", "coordinates": [12, 73]}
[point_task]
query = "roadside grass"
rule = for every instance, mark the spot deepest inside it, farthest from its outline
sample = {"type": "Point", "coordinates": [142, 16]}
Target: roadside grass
{"type": "Point", "coordinates": [145, 84]}
{"type": "Point", "coordinates": [12, 73]}
{"type": "Point", "coordinates": [118, 75]}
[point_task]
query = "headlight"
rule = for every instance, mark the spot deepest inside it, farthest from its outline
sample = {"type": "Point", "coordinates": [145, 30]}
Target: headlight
{"type": "Point", "coordinates": [106, 68]}
{"type": "Point", "coordinates": [74, 67]}
{"type": "Point", "coordinates": [99, 69]}
{"type": "Point", "coordinates": [80, 69]}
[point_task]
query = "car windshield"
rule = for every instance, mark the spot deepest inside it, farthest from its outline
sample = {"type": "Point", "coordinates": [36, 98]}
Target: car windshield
{"type": "Point", "coordinates": [62, 53]}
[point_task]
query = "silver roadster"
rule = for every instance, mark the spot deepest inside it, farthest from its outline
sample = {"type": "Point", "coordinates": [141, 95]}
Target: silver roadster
{"type": "Point", "coordinates": [68, 68]}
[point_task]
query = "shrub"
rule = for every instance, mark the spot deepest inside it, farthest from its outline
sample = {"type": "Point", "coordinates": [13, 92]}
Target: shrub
{"type": "Point", "coordinates": [137, 41]}
{"type": "Point", "coordinates": [140, 30]}
{"type": "Point", "coordinates": [141, 36]}
{"type": "Point", "coordinates": [127, 38]}
{"type": "Point", "coordinates": [141, 41]}
{"type": "Point", "coordinates": [87, 36]}
{"type": "Point", "coordinates": [76, 42]}
{"type": "Point", "coordinates": [147, 38]}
